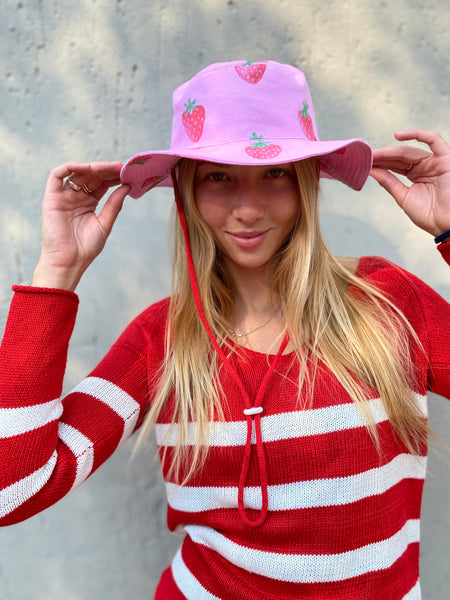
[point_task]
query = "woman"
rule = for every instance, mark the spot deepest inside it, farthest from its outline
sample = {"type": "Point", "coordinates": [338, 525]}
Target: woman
{"type": "Point", "coordinates": [287, 387]}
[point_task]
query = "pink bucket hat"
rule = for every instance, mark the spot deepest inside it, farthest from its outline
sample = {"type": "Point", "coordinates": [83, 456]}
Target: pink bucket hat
{"type": "Point", "coordinates": [247, 113]}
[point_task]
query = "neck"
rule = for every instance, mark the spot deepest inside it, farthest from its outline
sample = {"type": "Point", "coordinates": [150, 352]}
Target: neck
{"type": "Point", "coordinates": [256, 315]}
{"type": "Point", "coordinates": [254, 309]}
{"type": "Point", "coordinates": [252, 292]}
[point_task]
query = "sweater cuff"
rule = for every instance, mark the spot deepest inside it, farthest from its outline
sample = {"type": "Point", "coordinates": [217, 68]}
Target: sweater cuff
{"type": "Point", "coordinates": [444, 249]}
{"type": "Point", "coordinates": [40, 314]}
{"type": "Point", "coordinates": [31, 289]}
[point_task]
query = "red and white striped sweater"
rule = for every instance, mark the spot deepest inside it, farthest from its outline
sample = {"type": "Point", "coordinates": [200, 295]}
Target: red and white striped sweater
{"type": "Point", "coordinates": [342, 523]}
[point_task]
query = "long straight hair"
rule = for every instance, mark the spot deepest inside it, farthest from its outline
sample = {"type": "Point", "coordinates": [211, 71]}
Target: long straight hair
{"type": "Point", "coordinates": [333, 317]}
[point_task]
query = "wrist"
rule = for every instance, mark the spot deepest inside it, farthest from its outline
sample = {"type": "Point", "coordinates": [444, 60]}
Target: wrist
{"type": "Point", "coordinates": [61, 278]}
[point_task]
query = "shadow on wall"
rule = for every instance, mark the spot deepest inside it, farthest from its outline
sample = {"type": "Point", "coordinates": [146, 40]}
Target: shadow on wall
{"type": "Point", "coordinates": [98, 85]}
{"type": "Point", "coordinates": [346, 235]}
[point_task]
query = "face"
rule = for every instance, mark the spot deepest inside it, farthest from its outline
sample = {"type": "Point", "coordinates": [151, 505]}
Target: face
{"type": "Point", "coordinates": [250, 209]}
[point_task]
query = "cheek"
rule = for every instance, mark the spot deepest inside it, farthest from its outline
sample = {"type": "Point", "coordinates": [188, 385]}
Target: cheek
{"type": "Point", "coordinates": [288, 209]}
{"type": "Point", "coordinates": [212, 211]}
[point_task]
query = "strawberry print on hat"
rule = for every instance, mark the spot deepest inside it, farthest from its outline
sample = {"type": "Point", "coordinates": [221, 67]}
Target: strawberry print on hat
{"type": "Point", "coordinates": [306, 123]}
{"type": "Point", "coordinates": [150, 182]}
{"type": "Point", "coordinates": [193, 120]}
{"type": "Point", "coordinates": [251, 72]}
{"type": "Point", "coordinates": [262, 149]}
{"type": "Point", "coordinates": [140, 160]}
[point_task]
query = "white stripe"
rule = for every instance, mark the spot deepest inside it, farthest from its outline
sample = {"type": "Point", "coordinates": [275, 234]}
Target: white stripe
{"type": "Point", "coordinates": [187, 583]}
{"type": "Point", "coordinates": [82, 448]}
{"type": "Point", "coordinates": [301, 494]}
{"type": "Point", "coordinates": [414, 593]}
{"type": "Point", "coordinates": [284, 426]}
{"type": "Point", "coordinates": [15, 421]}
{"type": "Point", "coordinates": [16, 494]}
{"type": "Point", "coordinates": [116, 398]}
{"type": "Point", "coordinates": [307, 568]}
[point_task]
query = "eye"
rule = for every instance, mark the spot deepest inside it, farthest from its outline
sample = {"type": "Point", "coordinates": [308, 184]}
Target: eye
{"type": "Point", "coordinates": [216, 176]}
{"type": "Point", "coordinates": [276, 173]}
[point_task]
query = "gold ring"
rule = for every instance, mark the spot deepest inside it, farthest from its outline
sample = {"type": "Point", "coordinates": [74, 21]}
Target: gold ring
{"type": "Point", "coordinates": [74, 186]}
{"type": "Point", "coordinates": [85, 189]}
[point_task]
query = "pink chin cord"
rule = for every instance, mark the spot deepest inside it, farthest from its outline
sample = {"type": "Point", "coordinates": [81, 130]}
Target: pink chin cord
{"type": "Point", "coordinates": [253, 412]}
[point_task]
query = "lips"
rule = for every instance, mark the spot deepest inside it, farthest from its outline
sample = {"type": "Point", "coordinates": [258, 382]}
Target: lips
{"type": "Point", "coordinates": [248, 239]}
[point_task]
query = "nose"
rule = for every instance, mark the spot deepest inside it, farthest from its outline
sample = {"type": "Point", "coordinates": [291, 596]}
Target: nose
{"type": "Point", "coordinates": [248, 205]}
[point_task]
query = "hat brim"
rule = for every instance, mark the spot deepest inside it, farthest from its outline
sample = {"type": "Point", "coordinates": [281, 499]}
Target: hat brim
{"type": "Point", "coordinates": [348, 161]}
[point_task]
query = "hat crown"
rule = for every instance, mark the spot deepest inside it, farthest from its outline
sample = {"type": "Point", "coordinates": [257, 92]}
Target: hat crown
{"type": "Point", "coordinates": [260, 103]}
{"type": "Point", "coordinates": [247, 113]}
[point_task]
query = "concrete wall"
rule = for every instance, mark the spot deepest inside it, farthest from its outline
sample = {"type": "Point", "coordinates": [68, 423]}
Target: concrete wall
{"type": "Point", "coordinates": [93, 80]}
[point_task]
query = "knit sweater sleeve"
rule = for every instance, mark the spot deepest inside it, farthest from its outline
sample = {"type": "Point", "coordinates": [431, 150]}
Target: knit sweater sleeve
{"type": "Point", "coordinates": [437, 316]}
{"type": "Point", "coordinates": [429, 314]}
{"type": "Point", "coordinates": [49, 445]}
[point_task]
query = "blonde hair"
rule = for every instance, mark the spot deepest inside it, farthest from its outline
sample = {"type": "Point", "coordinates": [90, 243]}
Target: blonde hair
{"type": "Point", "coordinates": [332, 317]}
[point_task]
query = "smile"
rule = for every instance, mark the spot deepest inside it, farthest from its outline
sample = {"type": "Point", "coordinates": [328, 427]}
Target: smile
{"type": "Point", "coordinates": [248, 239]}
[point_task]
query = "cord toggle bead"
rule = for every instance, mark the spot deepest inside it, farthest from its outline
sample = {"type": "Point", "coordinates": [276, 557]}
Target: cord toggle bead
{"type": "Point", "coordinates": [255, 410]}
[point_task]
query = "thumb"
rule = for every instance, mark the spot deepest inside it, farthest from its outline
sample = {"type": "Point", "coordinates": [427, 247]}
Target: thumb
{"type": "Point", "coordinates": [112, 208]}
{"type": "Point", "coordinates": [391, 184]}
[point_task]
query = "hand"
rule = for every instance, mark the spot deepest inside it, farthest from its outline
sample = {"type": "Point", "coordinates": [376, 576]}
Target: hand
{"type": "Point", "coordinates": [427, 200]}
{"type": "Point", "coordinates": [73, 235]}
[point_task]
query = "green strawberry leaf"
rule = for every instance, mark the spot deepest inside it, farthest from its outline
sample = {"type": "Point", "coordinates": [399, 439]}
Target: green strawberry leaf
{"type": "Point", "coordinates": [258, 141]}
{"type": "Point", "coordinates": [190, 106]}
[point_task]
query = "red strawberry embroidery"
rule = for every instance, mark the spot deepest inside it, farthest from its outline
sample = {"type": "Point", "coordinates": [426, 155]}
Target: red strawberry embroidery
{"type": "Point", "coordinates": [262, 149]}
{"type": "Point", "coordinates": [193, 120]}
{"type": "Point", "coordinates": [151, 181]}
{"type": "Point", "coordinates": [140, 161]}
{"type": "Point", "coordinates": [306, 123]}
{"type": "Point", "coordinates": [251, 72]}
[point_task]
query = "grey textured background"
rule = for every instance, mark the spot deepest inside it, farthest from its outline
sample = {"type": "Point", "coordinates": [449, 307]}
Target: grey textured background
{"type": "Point", "coordinates": [93, 80]}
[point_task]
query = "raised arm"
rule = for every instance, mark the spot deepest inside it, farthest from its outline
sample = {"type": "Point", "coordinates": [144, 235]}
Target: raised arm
{"type": "Point", "coordinates": [48, 446]}
{"type": "Point", "coordinates": [427, 200]}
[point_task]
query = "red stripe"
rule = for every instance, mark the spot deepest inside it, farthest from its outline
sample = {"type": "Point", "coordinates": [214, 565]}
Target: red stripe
{"type": "Point", "coordinates": [320, 530]}
{"type": "Point", "coordinates": [327, 393]}
{"type": "Point", "coordinates": [282, 391]}
{"type": "Point", "coordinates": [229, 582]}
{"type": "Point", "coordinates": [126, 369]}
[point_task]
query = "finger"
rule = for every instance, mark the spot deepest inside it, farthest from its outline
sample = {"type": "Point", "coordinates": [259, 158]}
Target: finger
{"type": "Point", "coordinates": [405, 167]}
{"type": "Point", "coordinates": [98, 177]}
{"type": "Point", "coordinates": [391, 184]}
{"type": "Point", "coordinates": [112, 208]}
{"type": "Point", "coordinates": [433, 139]}
{"type": "Point", "coordinates": [401, 160]}
{"type": "Point", "coordinates": [97, 191]}
{"type": "Point", "coordinates": [398, 156]}
{"type": "Point", "coordinates": [91, 175]}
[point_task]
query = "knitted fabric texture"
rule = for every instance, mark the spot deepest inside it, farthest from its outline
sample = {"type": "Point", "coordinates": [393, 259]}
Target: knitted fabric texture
{"type": "Point", "coordinates": [342, 523]}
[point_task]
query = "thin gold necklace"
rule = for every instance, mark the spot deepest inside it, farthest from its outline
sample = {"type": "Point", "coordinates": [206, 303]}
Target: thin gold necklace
{"type": "Point", "coordinates": [240, 335]}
